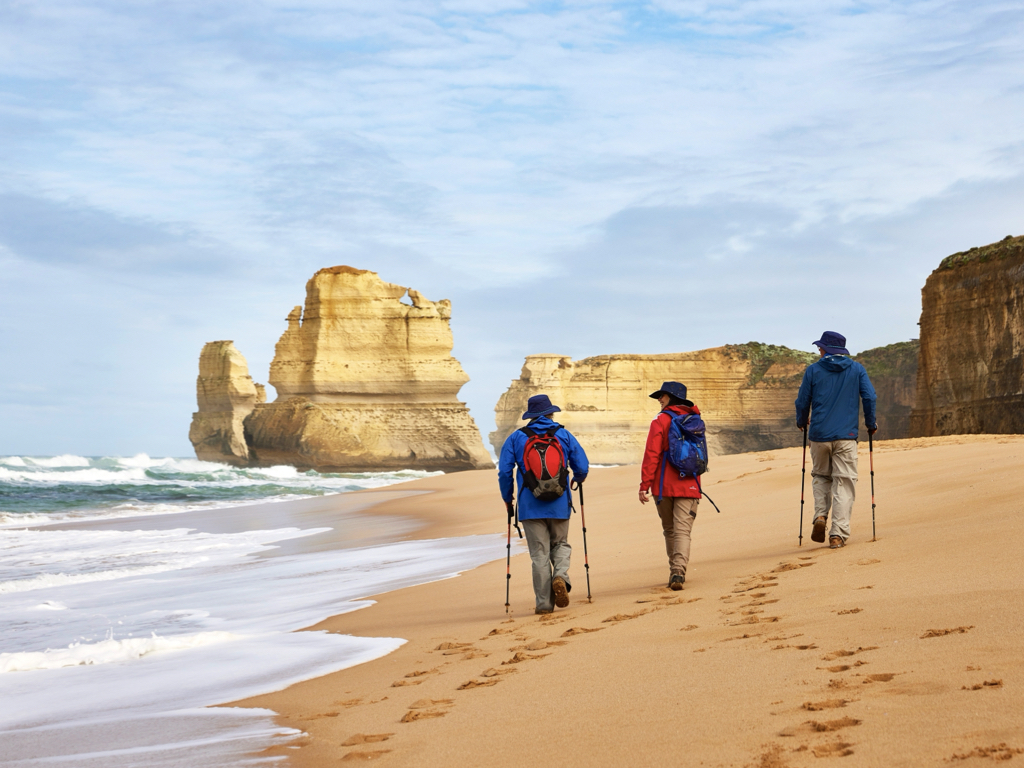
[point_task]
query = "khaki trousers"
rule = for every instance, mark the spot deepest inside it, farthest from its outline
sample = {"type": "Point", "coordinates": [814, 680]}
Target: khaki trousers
{"type": "Point", "coordinates": [677, 515]}
{"type": "Point", "coordinates": [834, 480]}
{"type": "Point", "coordinates": [547, 539]}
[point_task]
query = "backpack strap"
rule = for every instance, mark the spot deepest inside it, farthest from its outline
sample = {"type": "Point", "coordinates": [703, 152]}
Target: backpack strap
{"type": "Point", "coordinates": [527, 431]}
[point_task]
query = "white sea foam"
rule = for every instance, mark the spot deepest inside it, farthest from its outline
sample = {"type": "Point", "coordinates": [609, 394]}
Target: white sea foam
{"type": "Point", "coordinates": [12, 461]}
{"type": "Point", "coordinates": [65, 460]}
{"type": "Point", "coordinates": [106, 651]}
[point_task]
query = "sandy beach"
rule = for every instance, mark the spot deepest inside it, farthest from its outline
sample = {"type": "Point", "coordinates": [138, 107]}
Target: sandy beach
{"type": "Point", "coordinates": [903, 651]}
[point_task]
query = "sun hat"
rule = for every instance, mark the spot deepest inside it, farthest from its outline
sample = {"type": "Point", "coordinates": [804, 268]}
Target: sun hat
{"type": "Point", "coordinates": [673, 388]}
{"type": "Point", "coordinates": [539, 405]}
{"type": "Point", "coordinates": [833, 343]}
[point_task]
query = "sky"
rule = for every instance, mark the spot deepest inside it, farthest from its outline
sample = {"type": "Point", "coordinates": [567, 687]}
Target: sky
{"type": "Point", "coordinates": [579, 178]}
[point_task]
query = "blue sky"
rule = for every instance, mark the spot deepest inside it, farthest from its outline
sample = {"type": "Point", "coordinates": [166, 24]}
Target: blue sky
{"type": "Point", "coordinates": [581, 177]}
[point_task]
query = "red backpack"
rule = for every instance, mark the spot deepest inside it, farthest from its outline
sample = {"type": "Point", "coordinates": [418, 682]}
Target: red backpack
{"type": "Point", "coordinates": [546, 474]}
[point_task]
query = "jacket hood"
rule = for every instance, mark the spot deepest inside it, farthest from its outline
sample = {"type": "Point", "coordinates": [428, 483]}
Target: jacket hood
{"type": "Point", "coordinates": [682, 410]}
{"type": "Point", "coordinates": [835, 363]}
{"type": "Point", "coordinates": [542, 423]}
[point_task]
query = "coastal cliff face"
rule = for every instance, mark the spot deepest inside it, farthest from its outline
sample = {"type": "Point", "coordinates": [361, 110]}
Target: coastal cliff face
{"type": "Point", "coordinates": [226, 394]}
{"type": "Point", "coordinates": [971, 374]}
{"type": "Point", "coordinates": [745, 393]}
{"type": "Point", "coordinates": [366, 381]}
{"type": "Point", "coordinates": [893, 372]}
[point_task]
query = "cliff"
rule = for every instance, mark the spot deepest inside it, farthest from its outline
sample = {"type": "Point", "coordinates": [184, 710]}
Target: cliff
{"type": "Point", "coordinates": [971, 373]}
{"type": "Point", "coordinates": [745, 393]}
{"type": "Point", "coordinates": [365, 381]}
{"type": "Point", "coordinates": [226, 394]}
{"type": "Point", "coordinates": [893, 372]}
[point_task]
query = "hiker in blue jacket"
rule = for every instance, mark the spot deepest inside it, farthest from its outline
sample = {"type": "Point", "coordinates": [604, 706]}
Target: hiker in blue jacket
{"type": "Point", "coordinates": [545, 523]}
{"type": "Point", "coordinates": [830, 394]}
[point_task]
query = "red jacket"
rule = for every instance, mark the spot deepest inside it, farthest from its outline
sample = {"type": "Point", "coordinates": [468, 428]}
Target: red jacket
{"type": "Point", "coordinates": [655, 457]}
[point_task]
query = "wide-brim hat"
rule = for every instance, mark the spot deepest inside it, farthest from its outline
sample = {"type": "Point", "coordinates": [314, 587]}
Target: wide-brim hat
{"type": "Point", "coordinates": [674, 389]}
{"type": "Point", "coordinates": [539, 405]}
{"type": "Point", "coordinates": [833, 343]}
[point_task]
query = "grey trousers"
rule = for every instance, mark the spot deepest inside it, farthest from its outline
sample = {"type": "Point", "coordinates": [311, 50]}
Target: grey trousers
{"type": "Point", "coordinates": [677, 516]}
{"type": "Point", "coordinates": [834, 480]}
{"type": "Point", "coordinates": [549, 552]}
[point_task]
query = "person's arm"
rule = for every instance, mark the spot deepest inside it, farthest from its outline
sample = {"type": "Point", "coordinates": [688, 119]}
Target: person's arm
{"type": "Point", "coordinates": [507, 463]}
{"type": "Point", "coordinates": [652, 457]}
{"type": "Point", "coordinates": [803, 401]}
{"type": "Point", "coordinates": [577, 457]}
{"type": "Point", "coordinates": [868, 397]}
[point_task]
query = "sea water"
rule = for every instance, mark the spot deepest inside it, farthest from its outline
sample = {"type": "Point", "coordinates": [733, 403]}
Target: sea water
{"type": "Point", "coordinates": [137, 592]}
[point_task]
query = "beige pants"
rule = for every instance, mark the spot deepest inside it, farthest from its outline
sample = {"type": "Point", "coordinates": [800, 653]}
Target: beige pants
{"type": "Point", "coordinates": [549, 552]}
{"type": "Point", "coordinates": [834, 473]}
{"type": "Point", "coordinates": [677, 516]}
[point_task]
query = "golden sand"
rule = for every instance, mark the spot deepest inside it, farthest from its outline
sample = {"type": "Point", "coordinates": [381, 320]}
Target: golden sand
{"type": "Point", "coordinates": [908, 650]}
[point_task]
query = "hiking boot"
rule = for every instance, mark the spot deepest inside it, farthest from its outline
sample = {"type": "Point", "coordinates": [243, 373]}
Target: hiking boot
{"type": "Point", "coordinates": [561, 593]}
{"type": "Point", "coordinates": [835, 542]}
{"type": "Point", "coordinates": [676, 582]}
{"type": "Point", "coordinates": [818, 532]}
{"type": "Point", "coordinates": [543, 611]}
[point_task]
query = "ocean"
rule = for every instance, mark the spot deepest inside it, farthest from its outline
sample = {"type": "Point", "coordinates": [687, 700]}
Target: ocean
{"type": "Point", "coordinates": [139, 592]}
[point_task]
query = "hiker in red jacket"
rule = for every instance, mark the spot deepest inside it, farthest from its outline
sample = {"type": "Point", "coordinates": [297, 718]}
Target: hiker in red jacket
{"type": "Point", "coordinates": [676, 497]}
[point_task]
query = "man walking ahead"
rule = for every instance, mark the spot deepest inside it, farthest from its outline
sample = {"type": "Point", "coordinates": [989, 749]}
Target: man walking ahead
{"type": "Point", "coordinates": [676, 497]}
{"type": "Point", "coordinates": [829, 394]}
{"type": "Point", "coordinates": [541, 451]}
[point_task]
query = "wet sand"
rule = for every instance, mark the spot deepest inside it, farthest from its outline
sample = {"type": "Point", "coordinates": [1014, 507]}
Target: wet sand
{"type": "Point", "coordinates": [903, 651]}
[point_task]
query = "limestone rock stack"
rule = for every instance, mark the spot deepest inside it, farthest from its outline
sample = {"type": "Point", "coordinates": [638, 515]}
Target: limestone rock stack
{"type": "Point", "coordinates": [893, 372]}
{"type": "Point", "coordinates": [745, 392]}
{"type": "Point", "coordinates": [226, 395]}
{"type": "Point", "coordinates": [366, 381]}
{"type": "Point", "coordinates": [971, 373]}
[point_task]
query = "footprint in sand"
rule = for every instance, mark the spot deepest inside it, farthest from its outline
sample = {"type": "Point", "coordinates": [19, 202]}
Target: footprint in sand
{"type": "Point", "coordinates": [983, 686]}
{"type": "Point", "coordinates": [848, 611]}
{"type": "Point", "coordinates": [580, 631]}
{"type": "Point", "coordinates": [405, 683]}
{"type": "Point", "coordinates": [423, 709]}
{"type": "Point", "coordinates": [944, 632]}
{"type": "Point", "coordinates": [624, 616]}
{"type": "Point", "coordinates": [499, 631]}
{"type": "Point", "coordinates": [754, 620]}
{"type": "Point", "coordinates": [761, 602]}
{"type": "Point", "coordinates": [808, 647]}
{"type": "Point", "coordinates": [688, 628]}
{"type": "Point", "coordinates": [868, 561]}
{"type": "Point", "coordinates": [882, 677]}
{"type": "Point", "coordinates": [834, 749]}
{"type": "Point", "coordinates": [996, 752]}
{"type": "Point", "coordinates": [366, 738]}
{"type": "Point", "coordinates": [821, 726]}
{"type": "Point", "coordinates": [478, 684]}
{"type": "Point", "coordinates": [520, 657]}
{"type": "Point", "coordinates": [539, 645]}
{"type": "Point", "coordinates": [818, 706]}
{"type": "Point", "coordinates": [843, 667]}
{"type": "Point", "coordinates": [493, 672]}
{"type": "Point", "coordinates": [841, 653]}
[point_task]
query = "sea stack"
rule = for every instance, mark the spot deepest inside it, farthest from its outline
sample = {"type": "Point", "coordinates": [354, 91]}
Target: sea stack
{"type": "Point", "coordinates": [745, 391]}
{"type": "Point", "coordinates": [365, 381]}
{"type": "Point", "coordinates": [971, 373]}
{"type": "Point", "coordinates": [226, 394]}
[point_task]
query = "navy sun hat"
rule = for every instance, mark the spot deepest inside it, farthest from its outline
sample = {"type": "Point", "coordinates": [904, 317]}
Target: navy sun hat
{"type": "Point", "coordinates": [539, 405]}
{"type": "Point", "coordinates": [673, 388]}
{"type": "Point", "coordinates": [833, 343]}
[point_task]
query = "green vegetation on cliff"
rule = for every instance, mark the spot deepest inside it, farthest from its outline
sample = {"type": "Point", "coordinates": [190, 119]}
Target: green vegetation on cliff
{"type": "Point", "coordinates": [899, 359]}
{"type": "Point", "coordinates": [764, 356]}
{"type": "Point", "coordinates": [1008, 246]}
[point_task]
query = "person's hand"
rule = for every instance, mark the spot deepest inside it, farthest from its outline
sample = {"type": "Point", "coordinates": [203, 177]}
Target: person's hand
{"type": "Point", "coordinates": [510, 509]}
{"type": "Point", "coordinates": [800, 426]}
{"type": "Point", "coordinates": [872, 430]}
{"type": "Point", "coordinates": [577, 480]}
{"type": "Point", "coordinates": [643, 496]}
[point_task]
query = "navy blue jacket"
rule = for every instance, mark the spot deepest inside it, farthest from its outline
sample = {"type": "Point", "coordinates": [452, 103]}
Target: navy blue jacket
{"type": "Point", "coordinates": [530, 507]}
{"type": "Point", "coordinates": [829, 393]}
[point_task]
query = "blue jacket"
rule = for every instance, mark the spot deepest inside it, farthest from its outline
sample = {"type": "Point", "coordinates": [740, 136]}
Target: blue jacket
{"type": "Point", "coordinates": [829, 393]}
{"type": "Point", "coordinates": [530, 507]}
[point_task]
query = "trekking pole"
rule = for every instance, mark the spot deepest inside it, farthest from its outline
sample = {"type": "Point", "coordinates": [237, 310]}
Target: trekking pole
{"type": "Point", "coordinates": [583, 519]}
{"type": "Point", "coordinates": [508, 567]}
{"type": "Point", "coordinates": [803, 477]}
{"type": "Point", "coordinates": [871, 459]}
